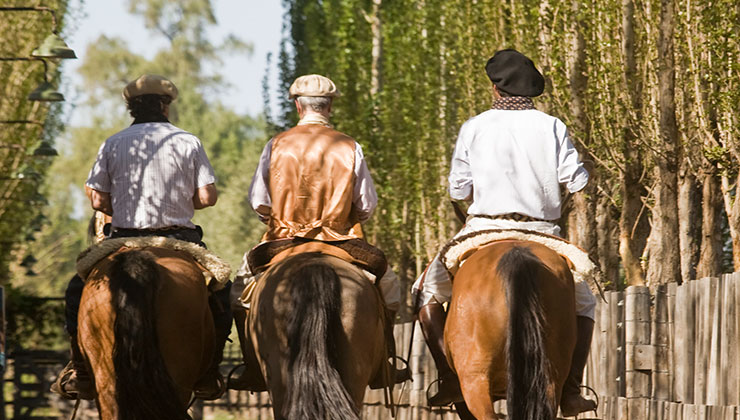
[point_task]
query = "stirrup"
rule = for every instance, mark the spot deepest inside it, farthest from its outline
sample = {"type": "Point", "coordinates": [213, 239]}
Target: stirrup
{"type": "Point", "coordinates": [458, 397]}
{"type": "Point", "coordinates": [596, 402]}
{"type": "Point", "coordinates": [403, 374]}
{"type": "Point", "coordinates": [213, 395]}
{"type": "Point", "coordinates": [232, 382]}
{"type": "Point", "coordinates": [59, 386]}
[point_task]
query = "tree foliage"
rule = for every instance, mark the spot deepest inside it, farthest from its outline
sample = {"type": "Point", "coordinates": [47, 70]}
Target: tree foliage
{"type": "Point", "coordinates": [232, 141]}
{"type": "Point", "coordinates": [601, 62]}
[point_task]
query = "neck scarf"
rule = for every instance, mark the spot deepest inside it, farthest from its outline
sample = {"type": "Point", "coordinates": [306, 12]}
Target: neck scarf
{"type": "Point", "coordinates": [513, 103]}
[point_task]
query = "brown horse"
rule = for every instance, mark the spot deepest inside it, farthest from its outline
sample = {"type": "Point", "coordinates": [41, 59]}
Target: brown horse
{"type": "Point", "coordinates": [317, 328]}
{"type": "Point", "coordinates": [147, 332]}
{"type": "Point", "coordinates": [511, 329]}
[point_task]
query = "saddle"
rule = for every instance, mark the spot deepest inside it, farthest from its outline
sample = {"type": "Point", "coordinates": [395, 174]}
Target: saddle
{"type": "Point", "coordinates": [355, 251]}
{"type": "Point", "coordinates": [456, 251]}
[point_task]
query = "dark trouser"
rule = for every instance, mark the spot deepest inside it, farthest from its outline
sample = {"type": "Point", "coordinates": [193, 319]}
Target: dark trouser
{"type": "Point", "coordinates": [218, 301]}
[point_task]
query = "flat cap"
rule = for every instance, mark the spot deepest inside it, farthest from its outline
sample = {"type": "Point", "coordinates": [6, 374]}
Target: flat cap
{"type": "Point", "coordinates": [150, 84]}
{"type": "Point", "coordinates": [515, 74]}
{"type": "Point", "coordinates": [313, 85]}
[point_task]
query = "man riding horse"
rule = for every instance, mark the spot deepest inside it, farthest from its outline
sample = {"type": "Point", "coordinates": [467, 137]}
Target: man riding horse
{"type": "Point", "coordinates": [150, 178]}
{"type": "Point", "coordinates": [312, 184]}
{"type": "Point", "coordinates": [509, 163]}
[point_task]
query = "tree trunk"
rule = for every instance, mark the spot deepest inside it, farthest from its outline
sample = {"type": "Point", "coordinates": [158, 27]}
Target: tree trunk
{"type": "Point", "coordinates": [664, 265]}
{"type": "Point", "coordinates": [689, 221]}
{"type": "Point", "coordinates": [582, 219]}
{"type": "Point", "coordinates": [633, 227]}
{"type": "Point", "coordinates": [607, 243]}
{"type": "Point", "coordinates": [710, 257]}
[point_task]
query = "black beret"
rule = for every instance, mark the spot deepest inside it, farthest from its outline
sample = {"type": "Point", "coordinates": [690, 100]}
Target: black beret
{"type": "Point", "coordinates": [515, 74]}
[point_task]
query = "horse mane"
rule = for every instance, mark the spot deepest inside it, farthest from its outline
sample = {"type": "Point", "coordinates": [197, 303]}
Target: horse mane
{"type": "Point", "coordinates": [144, 388]}
{"type": "Point", "coordinates": [528, 373]}
{"type": "Point", "coordinates": [315, 388]}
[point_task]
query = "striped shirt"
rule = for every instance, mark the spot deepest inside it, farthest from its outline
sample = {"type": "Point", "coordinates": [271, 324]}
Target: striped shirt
{"type": "Point", "coordinates": [151, 171]}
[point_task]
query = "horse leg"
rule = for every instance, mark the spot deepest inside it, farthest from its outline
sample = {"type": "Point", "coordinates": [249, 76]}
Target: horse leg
{"type": "Point", "coordinates": [463, 412]}
{"type": "Point", "coordinates": [477, 392]}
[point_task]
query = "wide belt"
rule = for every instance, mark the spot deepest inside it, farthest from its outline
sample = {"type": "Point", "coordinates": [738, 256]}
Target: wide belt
{"type": "Point", "coordinates": [517, 217]}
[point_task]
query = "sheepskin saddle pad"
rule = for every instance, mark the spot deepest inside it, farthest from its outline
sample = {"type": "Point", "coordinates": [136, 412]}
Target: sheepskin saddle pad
{"type": "Point", "coordinates": [218, 269]}
{"type": "Point", "coordinates": [456, 251]}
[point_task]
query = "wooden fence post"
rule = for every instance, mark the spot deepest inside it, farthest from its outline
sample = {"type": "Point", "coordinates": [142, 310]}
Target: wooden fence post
{"type": "Point", "coordinates": [639, 354]}
{"type": "Point", "coordinates": [661, 380]}
{"type": "Point", "coordinates": [684, 348]}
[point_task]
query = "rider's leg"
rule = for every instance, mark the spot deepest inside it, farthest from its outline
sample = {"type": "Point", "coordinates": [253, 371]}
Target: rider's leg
{"type": "Point", "coordinates": [432, 318]}
{"type": "Point", "coordinates": [212, 385]}
{"type": "Point", "coordinates": [435, 286]}
{"type": "Point", "coordinates": [74, 380]}
{"type": "Point", "coordinates": [571, 401]}
{"type": "Point", "coordinates": [391, 291]}
{"type": "Point", "coordinates": [251, 377]}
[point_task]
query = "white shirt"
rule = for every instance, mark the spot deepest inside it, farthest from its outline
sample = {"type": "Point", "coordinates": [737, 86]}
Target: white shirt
{"type": "Point", "coordinates": [514, 161]}
{"type": "Point", "coordinates": [364, 197]}
{"type": "Point", "coordinates": [151, 171]}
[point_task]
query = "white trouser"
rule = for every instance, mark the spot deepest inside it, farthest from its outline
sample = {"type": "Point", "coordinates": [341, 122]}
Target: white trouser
{"type": "Point", "coordinates": [389, 287]}
{"type": "Point", "coordinates": [437, 283]}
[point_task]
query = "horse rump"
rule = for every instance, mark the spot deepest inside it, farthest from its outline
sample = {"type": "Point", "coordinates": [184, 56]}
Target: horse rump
{"type": "Point", "coordinates": [315, 388]}
{"type": "Point", "coordinates": [144, 388]}
{"type": "Point", "coordinates": [528, 374]}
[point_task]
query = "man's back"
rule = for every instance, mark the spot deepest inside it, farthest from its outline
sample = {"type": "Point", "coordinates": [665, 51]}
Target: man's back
{"type": "Point", "coordinates": [516, 161]}
{"type": "Point", "coordinates": [151, 171]}
{"type": "Point", "coordinates": [312, 182]}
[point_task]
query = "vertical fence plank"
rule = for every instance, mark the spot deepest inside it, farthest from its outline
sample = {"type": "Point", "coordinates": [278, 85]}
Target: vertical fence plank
{"type": "Point", "coordinates": [714, 374]}
{"type": "Point", "coordinates": [637, 340]}
{"type": "Point", "coordinates": [728, 369]}
{"type": "Point", "coordinates": [671, 301]}
{"type": "Point", "coordinates": [661, 376]}
{"type": "Point", "coordinates": [735, 342]}
{"type": "Point", "coordinates": [683, 352]}
{"type": "Point", "coordinates": [703, 296]}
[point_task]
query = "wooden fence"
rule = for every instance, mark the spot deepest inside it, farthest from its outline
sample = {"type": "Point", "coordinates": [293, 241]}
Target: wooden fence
{"type": "Point", "coordinates": [667, 355]}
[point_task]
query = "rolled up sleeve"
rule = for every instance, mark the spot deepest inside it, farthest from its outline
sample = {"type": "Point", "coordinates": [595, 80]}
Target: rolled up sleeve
{"type": "Point", "coordinates": [99, 178]}
{"type": "Point", "coordinates": [364, 196]}
{"type": "Point", "coordinates": [259, 190]}
{"type": "Point", "coordinates": [571, 172]}
{"type": "Point", "coordinates": [461, 176]}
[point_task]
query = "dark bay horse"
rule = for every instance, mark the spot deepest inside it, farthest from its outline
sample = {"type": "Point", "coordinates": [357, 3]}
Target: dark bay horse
{"type": "Point", "coordinates": [511, 329]}
{"type": "Point", "coordinates": [147, 332]}
{"type": "Point", "coordinates": [317, 328]}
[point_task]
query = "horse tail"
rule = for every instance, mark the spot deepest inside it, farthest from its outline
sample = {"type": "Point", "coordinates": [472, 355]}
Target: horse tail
{"type": "Point", "coordinates": [134, 283]}
{"type": "Point", "coordinates": [528, 371]}
{"type": "Point", "coordinates": [315, 388]}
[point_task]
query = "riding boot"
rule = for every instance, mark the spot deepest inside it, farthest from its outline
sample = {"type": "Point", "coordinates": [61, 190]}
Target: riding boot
{"type": "Point", "coordinates": [398, 375]}
{"type": "Point", "coordinates": [212, 385]}
{"type": "Point", "coordinates": [74, 381]}
{"type": "Point", "coordinates": [251, 378]}
{"type": "Point", "coordinates": [432, 321]}
{"type": "Point", "coordinates": [571, 401]}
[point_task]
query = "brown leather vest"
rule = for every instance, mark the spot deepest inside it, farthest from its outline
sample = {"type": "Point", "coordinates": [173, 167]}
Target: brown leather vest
{"type": "Point", "coordinates": [311, 185]}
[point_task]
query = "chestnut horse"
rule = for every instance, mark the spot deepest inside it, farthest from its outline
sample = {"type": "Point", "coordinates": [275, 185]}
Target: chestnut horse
{"type": "Point", "coordinates": [147, 332]}
{"type": "Point", "coordinates": [317, 328]}
{"type": "Point", "coordinates": [511, 329]}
